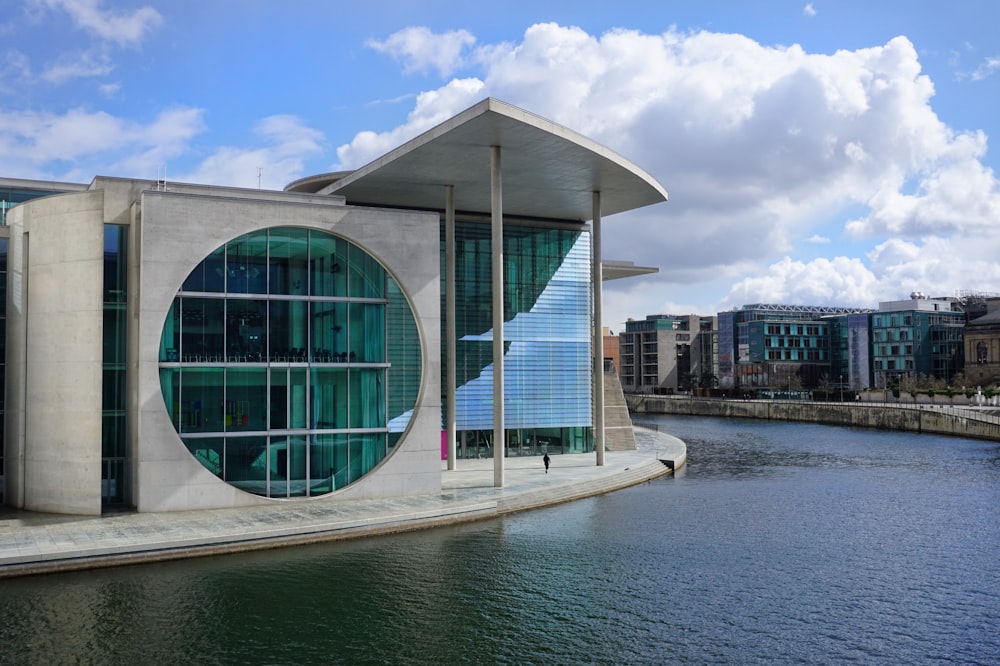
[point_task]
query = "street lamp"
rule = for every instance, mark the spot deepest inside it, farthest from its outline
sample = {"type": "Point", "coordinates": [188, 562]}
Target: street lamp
{"type": "Point", "coordinates": [841, 388]}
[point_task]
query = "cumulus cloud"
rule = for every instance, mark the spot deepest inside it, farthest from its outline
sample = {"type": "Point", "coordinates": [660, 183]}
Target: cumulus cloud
{"type": "Point", "coordinates": [431, 108]}
{"type": "Point", "coordinates": [837, 281]}
{"type": "Point", "coordinates": [125, 28]}
{"type": "Point", "coordinates": [78, 144]}
{"type": "Point", "coordinates": [762, 148]}
{"type": "Point", "coordinates": [286, 143]}
{"type": "Point", "coordinates": [421, 50]}
{"type": "Point", "coordinates": [809, 10]}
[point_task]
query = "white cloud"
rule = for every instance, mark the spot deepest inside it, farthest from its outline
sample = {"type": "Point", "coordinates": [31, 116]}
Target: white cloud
{"type": "Point", "coordinates": [287, 142]}
{"type": "Point", "coordinates": [78, 144]}
{"type": "Point", "coordinates": [809, 10]}
{"type": "Point", "coordinates": [837, 281]}
{"type": "Point", "coordinates": [431, 108]}
{"type": "Point", "coordinates": [125, 28]}
{"type": "Point", "coordinates": [78, 65]}
{"type": "Point", "coordinates": [986, 69]}
{"type": "Point", "coordinates": [759, 146]}
{"type": "Point", "coordinates": [818, 240]}
{"type": "Point", "coordinates": [421, 50]}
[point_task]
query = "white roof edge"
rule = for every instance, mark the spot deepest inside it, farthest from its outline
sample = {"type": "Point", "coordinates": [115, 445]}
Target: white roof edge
{"type": "Point", "coordinates": [492, 104]}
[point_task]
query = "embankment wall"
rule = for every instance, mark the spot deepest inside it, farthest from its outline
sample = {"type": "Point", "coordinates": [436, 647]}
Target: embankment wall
{"type": "Point", "coordinates": [914, 418]}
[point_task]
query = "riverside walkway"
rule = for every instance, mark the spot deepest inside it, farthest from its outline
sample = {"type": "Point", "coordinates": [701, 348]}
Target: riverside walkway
{"type": "Point", "coordinates": [32, 543]}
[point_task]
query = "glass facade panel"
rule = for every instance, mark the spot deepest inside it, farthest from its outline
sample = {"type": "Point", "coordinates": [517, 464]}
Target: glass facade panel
{"type": "Point", "coordinates": [328, 331]}
{"type": "Point", "coordinates": [246, 265]}
{"type": "Point", "coordinates": [246, 393]}
{"type": "Point", "coordinates": [403, 354]}
{"type": "Point", "coordinates": [202, 400]}
{"type": "Point", "coordinates": [367, 277]}
{"type": "Point", "coordinates": [246, 331]}
{"type": "Point", "coordinates": [209, 275]}
{"type": "Point", "coordinates": [547, 328]}
{"type": "Point", "coordinates": [114, 396]}
{"type": "Point", "coordinates": [288, 261]}
{"type": "Point", "coordinates": [275, 376]}
{"type": "Point", "coordinates": [328, 266]}
{"type": "Point", "coordinates": [330, 398]}
{"type": "Point", "coordinates": [366, 337]}
{"type": "Point", "coordinates": [245, 463]}
{"type": "Point", "coordinates": [202, 329]}
{"type": "Point", "coordinates": [278, 419]}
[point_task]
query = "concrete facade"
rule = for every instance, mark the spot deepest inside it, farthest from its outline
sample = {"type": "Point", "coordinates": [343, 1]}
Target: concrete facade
{"type": "Point", "coordinates": [55, 336]}
{"type": "Point", "coordinates": [53, 423]}
{"type": "Point", "coordinates": [173, 238]}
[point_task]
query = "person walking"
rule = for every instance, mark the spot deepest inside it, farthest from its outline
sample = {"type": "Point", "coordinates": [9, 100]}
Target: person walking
{"type": "Point", "coordinates": [546, 460]}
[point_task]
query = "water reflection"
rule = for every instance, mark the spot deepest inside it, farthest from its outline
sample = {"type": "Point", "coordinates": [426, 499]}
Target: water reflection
{"type": "Point", "coordinates": [780, 543]}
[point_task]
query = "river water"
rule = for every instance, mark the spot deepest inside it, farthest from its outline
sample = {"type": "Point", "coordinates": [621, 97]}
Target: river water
{"type": "Point", "coordinates": [779, 543]}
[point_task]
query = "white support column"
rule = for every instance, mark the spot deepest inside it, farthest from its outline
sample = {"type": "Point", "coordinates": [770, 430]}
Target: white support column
{"type": "Point", "coordinates": [496, 246]}
{"type": "Point", "coordinates": [598, 382]}
{"type": "Point", "coordinates": [449, 307]}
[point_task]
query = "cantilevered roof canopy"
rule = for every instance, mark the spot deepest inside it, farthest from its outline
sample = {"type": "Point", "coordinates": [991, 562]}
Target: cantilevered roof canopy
{"type": "Point", "coordinates": [616, 270]}
{"type": "Point", "coordinates": [548, 170]}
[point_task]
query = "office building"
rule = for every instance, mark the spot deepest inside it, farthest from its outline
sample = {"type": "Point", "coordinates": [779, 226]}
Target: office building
{"type": "Point", "coordinates": [173, 346]}
{"type": "Point", "coordinates": [667, 353]}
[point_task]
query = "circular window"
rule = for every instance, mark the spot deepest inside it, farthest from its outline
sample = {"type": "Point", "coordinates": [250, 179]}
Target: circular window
{"type": "Point", "coordinates": [290, 362]}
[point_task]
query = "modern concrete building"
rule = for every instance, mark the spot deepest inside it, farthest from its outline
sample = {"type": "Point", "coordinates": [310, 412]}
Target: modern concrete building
{"type": "Point", "coordinates": [174, 346]}
{"type": "Point", "coordinates": [667, 353]}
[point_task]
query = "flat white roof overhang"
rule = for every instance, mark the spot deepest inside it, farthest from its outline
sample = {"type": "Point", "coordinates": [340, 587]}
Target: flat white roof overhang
{"type": "Point", "coordinates": [548, 171]}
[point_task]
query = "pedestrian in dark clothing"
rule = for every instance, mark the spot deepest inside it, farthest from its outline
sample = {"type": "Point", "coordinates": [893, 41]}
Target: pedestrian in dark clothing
{"type": "Point", "coordinates": [546, 461]}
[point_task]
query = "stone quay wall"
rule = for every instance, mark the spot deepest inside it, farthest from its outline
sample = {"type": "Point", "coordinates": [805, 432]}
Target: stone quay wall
{"type": "Point", "coordinates": [939, 420]}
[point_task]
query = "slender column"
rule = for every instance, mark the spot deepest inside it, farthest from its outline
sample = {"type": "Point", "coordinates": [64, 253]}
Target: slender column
{"type": "Point", "coordinates": [449, 308]}
{"type": "Point", "coordinates": [598, 345]}
{"type": "Point", "coordinates": [496, 209]}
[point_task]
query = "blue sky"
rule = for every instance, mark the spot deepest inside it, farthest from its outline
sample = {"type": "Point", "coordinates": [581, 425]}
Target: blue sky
{"type": "Point", "coordinates": [827, 153]}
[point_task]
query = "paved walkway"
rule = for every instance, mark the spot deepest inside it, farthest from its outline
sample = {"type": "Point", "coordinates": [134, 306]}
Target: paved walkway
{"type": "Point", "coordinates": [40, 543]}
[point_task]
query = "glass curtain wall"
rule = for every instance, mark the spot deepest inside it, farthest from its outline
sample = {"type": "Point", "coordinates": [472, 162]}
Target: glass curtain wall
{"type": "Point", "coordinates": [276, 365]}
{"type": "Point", "coordinates": [547, 343]}
{"type": "Point", "coordinates": [113, 400]}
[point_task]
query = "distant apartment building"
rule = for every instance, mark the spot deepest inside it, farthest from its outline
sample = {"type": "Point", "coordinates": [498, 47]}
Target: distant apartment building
{"type": "Point", "coordinates": [667, 353]}
{"type": "Point", "coordinates": [767, 346]}
{"type": "Point", "coordinates": [766, 349]}
{"type": "Point", "coordinates": [917, 336]}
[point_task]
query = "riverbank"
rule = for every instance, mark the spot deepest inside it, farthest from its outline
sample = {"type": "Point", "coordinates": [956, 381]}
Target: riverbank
{"type": "Point", "coordinates": [32, 543]}
{"type": "Point", "coordinates": [972, 422]}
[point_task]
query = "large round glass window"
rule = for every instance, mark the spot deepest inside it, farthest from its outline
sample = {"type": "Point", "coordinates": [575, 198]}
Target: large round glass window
{"type": "Point", "coordinates": [290, 362]}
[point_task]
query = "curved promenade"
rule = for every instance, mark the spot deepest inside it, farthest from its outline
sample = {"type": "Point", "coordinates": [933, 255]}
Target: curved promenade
{"type": "Point", "coordinates": [33, 543]}
{"type": "Point", "coordinates": [964, 421]}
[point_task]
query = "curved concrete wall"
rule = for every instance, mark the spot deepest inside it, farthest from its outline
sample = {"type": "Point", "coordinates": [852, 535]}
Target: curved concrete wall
{"type": "Point", "coordinates": [55, 321]}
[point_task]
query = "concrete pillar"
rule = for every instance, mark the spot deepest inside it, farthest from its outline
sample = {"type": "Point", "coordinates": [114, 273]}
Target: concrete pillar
{"type": "Point", "coordinates": [598, 374]}
{"type": "Point", "coordinates": [496, 210]}
{"type": "Point", "coordinates": [449, 331]}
